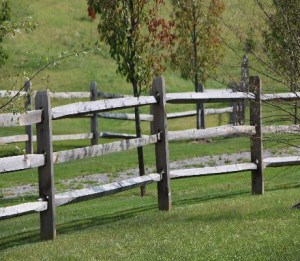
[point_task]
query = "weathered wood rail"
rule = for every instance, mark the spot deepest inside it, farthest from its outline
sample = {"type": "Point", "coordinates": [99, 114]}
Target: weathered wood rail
{"type": "Point", "coordinates": [45, 158]}
{"type": "Point", "coordinates": [93, 95]}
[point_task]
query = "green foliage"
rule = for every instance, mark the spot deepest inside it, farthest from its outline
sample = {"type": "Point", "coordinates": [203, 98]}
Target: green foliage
{"type": "Point", "coordinates": [4, 12]}
{"type": "Point", "coordinates": [4, 17]}
{"type": "Point", "coordinates": [197, 26]}
{"type": "Point", "coordinates": [136, 36]}
{"type": "Point", "coordinates": [282, 40]}
{"type": "Point", "coordinates": [250, 42]}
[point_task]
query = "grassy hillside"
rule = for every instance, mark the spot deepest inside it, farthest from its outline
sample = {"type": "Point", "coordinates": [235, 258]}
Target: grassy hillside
{"type": "Point", "coordinates": [66, 30]}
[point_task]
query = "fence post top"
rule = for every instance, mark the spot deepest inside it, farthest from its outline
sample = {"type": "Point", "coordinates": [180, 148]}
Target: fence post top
{"type": "Point", "coordinates": [93, 84]}
{"type": "Point", "coordinates": [27, 85]}
{"type": "Point", "coordinates": [200, 87]}
{"type": "Point", "coordinates": [254, 81]}
{"type": "Point", "coordinates": [158, 88]}
{"type": "Point", "coordinates": [42, 93]}
{"type": "Point", "coordinates": [159, 80]}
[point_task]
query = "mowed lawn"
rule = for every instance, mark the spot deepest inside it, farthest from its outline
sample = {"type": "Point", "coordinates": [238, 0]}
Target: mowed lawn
{"type": "Point", "coordinates": [213, 218]}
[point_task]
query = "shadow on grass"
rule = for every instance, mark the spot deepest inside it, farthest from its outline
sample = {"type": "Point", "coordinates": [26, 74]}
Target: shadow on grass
{"type": "Point", "coordinates": [19, 239]}
{"type": "Point", "coordinates": [231, 194]}
{"type": "Point", "coordinates": [77, 225]}
{"type": "Point", "coordinates": [32, 236]}
{"type": "Point", "coordinates": [196, 200]}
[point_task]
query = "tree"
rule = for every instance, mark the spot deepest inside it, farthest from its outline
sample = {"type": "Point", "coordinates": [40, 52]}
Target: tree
{"type": "Point", "coordinates": [197, 29]}
{"type": "Point", "coordinates": [282, 42]}
{"type": "Point", "coordinates": [4, 17]}
{"type": "Point", "coordinates": [137, 37]}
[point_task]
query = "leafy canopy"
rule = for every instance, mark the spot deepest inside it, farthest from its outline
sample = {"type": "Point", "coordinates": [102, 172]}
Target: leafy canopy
{"type": "Point", "coordinates": [197, 28]}
{"type": "Point", "coordinates": [4, 17]}
{"type": "Point", "coordinates": [136, 35]}
{"type": "Point", "coordinates": [282, 41]}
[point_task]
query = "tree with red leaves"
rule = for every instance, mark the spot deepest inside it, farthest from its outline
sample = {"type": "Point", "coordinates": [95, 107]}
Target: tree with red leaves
{"type": "Point", "coordinates": [137, 38]}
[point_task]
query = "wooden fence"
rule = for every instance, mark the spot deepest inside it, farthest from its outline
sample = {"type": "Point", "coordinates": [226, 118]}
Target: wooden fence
{"type": "Point", "coordinates": [45, 158]}
{"type": "Point", "coordinates": [94, 134]}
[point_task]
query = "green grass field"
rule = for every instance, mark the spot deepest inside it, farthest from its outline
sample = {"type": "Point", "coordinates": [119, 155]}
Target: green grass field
{"type": "Point", "coordinates": [213, 218]}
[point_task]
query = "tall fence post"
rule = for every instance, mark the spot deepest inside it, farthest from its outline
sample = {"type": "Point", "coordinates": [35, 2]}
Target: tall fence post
{"type": "Point", "coordinates": [243, 88]}
{"type": "Point", "coordinates": [46, 172]}
{"type": "Point", "coordinates": [234, 114]}
{"type": "Point", "coordinates": [94, 118]}
{"type": "Point", "coordinates": [256, 140]}
{"type": "Point", "coordinates": [160, 125]}
{"type": "Point", "coordinates": [28, 128]}
{"type": "Point", "coordinates": [200, 110]}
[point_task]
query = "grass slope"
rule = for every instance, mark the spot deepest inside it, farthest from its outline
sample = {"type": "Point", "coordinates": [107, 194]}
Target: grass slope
{"type": "Point", "coordinates": [209, 221]}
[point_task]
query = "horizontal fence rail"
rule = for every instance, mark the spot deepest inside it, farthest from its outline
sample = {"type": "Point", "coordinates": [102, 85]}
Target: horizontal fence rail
{"type": "Point", "coordinates": [105, 95]}
{"type": "Point", "coordinates": [69, 95]}
{"type": "Point", "coordinates": [28, 118]}
{"type": "Point", "coordinates": [281, 96]}
{"type": "Point", "coordinates": [227, 96]}
{"type": "Point", "coordinates": [207, 97]}
{"type": "Point", "coordinates": [104, 190]}
{"type": "Point", "coordinates": [282, 161]}
{"type": "Point", "coordinates": [125, 116]}
{"type": "Point", "coordinates": [207, 111]}
{"type": "Point", "coordinates": [14, 139]}
{"type": "Point", "coordinates": [102, 149]}
{"type": "Point", "coordinates": [97, 106]}
{"type": "Point", "coordinates": [23, 209]}
{"type": "Point", "coordinates": [9, 94]}
{"type": "Point", "coordinates": [280, 129]}
{"type": "Point", "coordinates": [22, 162]}
{"type": "Point", "coordinates": [216, 170]}
{"type": "Point", "coordinates": [174, 115]}
{"type": "Point", "coordinates": [223, 131]}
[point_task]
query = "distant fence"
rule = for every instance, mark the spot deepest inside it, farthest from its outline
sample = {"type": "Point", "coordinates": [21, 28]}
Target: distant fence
{"type": "Point", "coordinates": [45, 158]}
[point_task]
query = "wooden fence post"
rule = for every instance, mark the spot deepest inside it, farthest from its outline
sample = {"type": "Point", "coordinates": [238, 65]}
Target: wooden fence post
{"type": "Point", "coordinates": [94, 118]}
{"type": "Point", "coordinates": [256, 140]}
{"type": "Point", "coordinates": [243, 88]}
{"type": "Point", "coordinates": [28, 128]}
{"type": "Point", "coordinates": [46, 172]}
{"type": "Point", "coordinates": [159, 125]}
{"type": "Point", "coordinates": [200, 110]}
{"type": "Point", "coordinates": [234, 114]}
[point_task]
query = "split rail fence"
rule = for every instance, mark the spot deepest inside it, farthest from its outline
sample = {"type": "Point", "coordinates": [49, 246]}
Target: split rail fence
{"type": "Point", "coordinates": [94, 134]}
{"type": "Point", "coordinates": [45, 158]}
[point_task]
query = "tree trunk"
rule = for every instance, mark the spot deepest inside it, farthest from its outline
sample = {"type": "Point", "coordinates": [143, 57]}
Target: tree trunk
{"type": "Point", "coordinates": [139, 134]}
{"type": "Point", "coordinates": [199, 106]}
{"type": "Point", "coordinates": [294, 89]}
{"type": "Point", "coordinates": [200, 109]}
